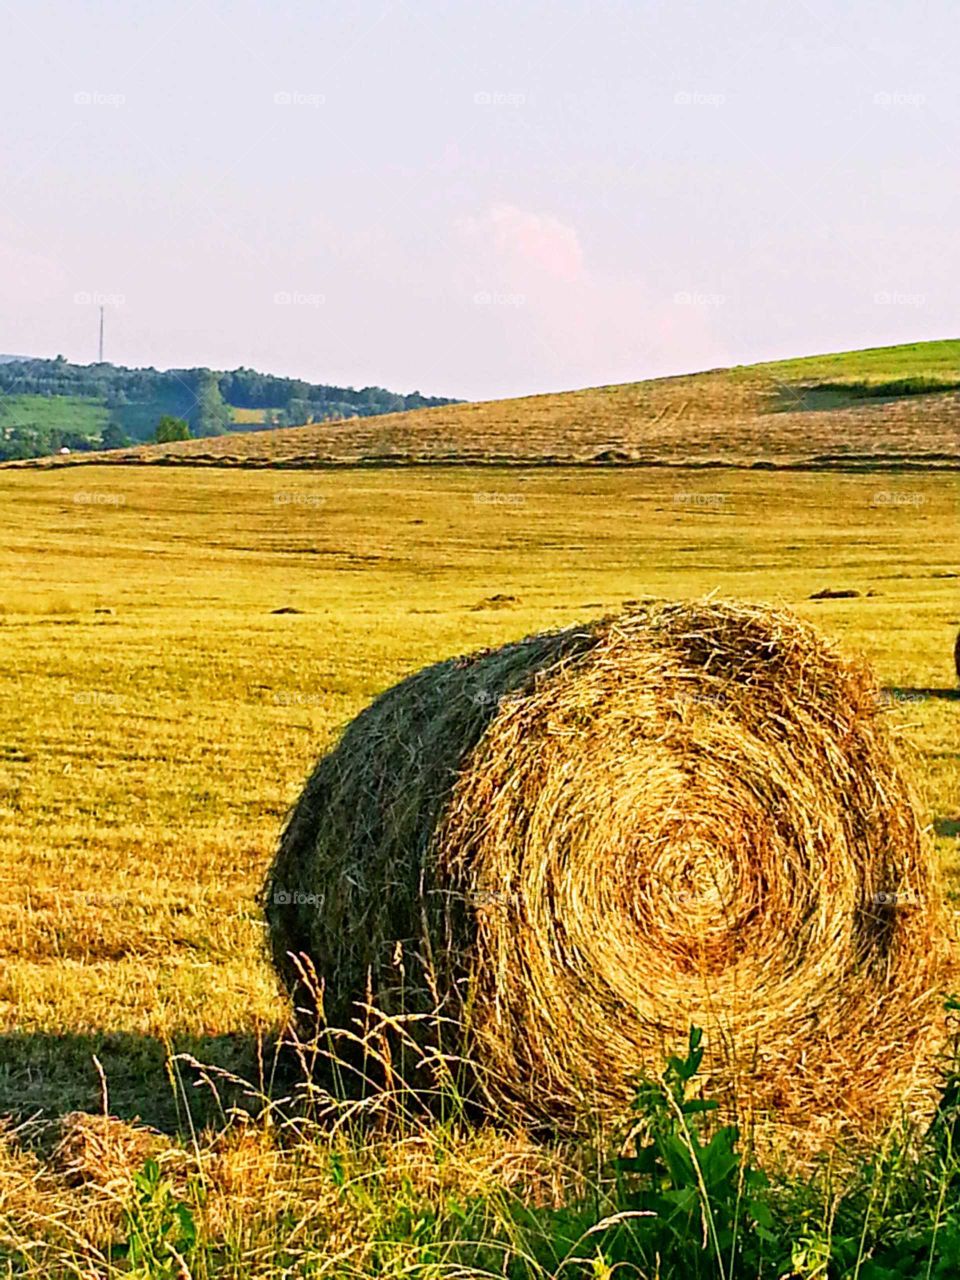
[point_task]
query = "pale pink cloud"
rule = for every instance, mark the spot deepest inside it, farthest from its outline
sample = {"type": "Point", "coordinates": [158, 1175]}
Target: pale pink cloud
{"type": "Point", "coordinates": [580, 325]}
{"type": "Point", "coordinates": [522, 239]}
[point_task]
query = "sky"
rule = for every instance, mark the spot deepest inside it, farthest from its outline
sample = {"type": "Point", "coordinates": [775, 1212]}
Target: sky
{"type": "Point", "coordinates": [474, 198]}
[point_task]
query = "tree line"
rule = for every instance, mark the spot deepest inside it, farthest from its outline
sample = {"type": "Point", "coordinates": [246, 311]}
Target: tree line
{"type": "Point", "coordinates": [133, 401]}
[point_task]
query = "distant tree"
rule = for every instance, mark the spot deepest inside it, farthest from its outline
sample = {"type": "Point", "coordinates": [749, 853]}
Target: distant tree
{"type": "Point", "coordinates": [113, 436]}
{"type": "Point", "coordinates": [298, 412]}
{"type": "Point", "coordinates": [170, 428]}
{"type": "Point", "coordinates": [212, 415]}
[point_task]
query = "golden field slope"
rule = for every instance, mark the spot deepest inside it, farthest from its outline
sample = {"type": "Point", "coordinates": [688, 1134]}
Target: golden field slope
{"type": "Point", "coordinates": [806, 413]}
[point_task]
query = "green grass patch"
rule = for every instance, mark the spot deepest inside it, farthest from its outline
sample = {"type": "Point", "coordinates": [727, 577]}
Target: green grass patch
{"type": "Point", "coordinates": [839, 395]}
{"type": "Point", "coordinates": [81, 415]}
{"type": "Point", "coordinates": [317, 1188]}
{"type": "Point", "coordinates": [934, 360]}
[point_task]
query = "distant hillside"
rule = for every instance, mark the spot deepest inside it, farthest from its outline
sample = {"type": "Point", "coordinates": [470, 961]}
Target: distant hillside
{"type": "Point", "coordinates": [888, 406]}
{"type": "Point", "coordinates": [46, 405]}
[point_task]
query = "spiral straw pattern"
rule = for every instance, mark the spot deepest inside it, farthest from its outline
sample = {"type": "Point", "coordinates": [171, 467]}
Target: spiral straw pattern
{"type": "Point", "coordinates": [577, 846]}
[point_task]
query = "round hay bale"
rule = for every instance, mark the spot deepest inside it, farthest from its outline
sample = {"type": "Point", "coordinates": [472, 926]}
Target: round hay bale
{"type": "Point", "coordinates": [574, 847]}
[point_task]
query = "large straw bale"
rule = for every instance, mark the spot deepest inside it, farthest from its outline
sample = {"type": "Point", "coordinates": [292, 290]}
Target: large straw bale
{"type": "Point", "coordinates": [571, 848]}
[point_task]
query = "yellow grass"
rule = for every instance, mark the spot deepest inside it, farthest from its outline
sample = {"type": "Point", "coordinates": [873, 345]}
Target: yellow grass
{"type": "Point", "coordinates": [151, 749]}
{"type": "Point", "coordinates": [243, 416]}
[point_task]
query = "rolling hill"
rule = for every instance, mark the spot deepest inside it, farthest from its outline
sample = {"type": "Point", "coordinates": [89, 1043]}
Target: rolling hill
{"type": "Point", "coordinates": [884, 406]}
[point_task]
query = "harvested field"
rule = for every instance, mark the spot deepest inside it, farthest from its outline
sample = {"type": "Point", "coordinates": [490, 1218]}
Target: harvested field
{"type": "Point", "coordinates": [179, 647]}
{"type": "Point", "coordinates": [813, 413]}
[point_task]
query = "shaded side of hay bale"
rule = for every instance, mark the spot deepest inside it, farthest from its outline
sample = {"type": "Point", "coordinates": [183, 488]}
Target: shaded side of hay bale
{"type": "Point", "coordinates": [352, 878]}
{"type": "Point", "coordinates": [578, 845]}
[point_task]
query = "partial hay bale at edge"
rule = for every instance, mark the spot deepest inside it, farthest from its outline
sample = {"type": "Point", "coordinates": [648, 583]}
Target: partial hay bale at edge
{"type": "Point", "coordinates": [577, 845]}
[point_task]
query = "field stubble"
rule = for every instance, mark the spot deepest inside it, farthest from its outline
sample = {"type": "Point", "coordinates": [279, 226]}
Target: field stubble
{"type": "Point", "coordinates": [161, 714]}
